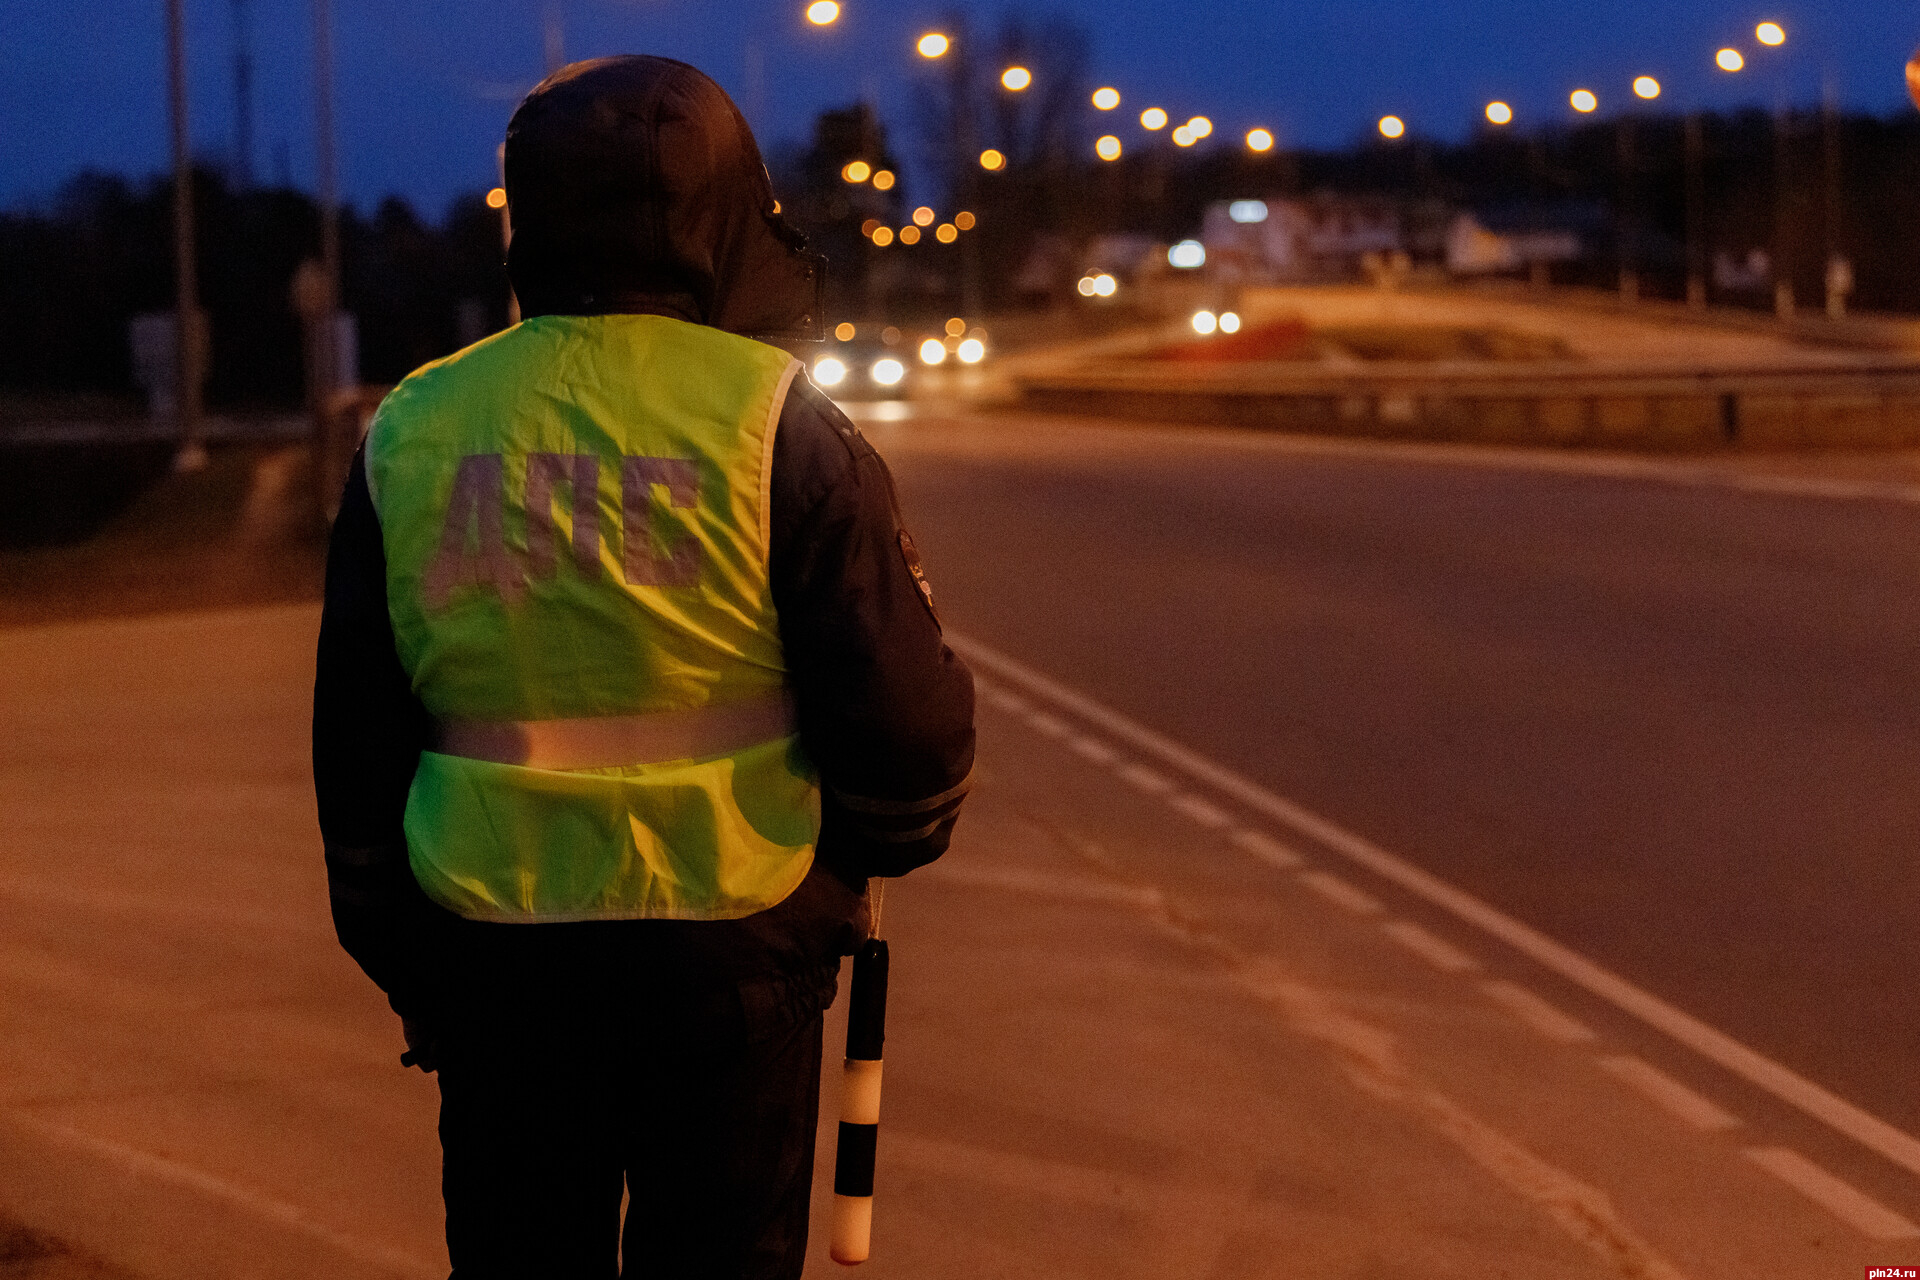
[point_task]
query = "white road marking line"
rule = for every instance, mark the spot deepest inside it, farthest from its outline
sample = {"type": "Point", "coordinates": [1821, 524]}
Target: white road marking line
{"type": "Point", "coordinates": [1268, 850]}
{"type": "Point", "coordinates": [1496, 458]}
{"type": "Point", "coordinates": [293, 1217]}
{"type": "Point", "coordinates": [1138, 775]}
{"type": "Point", "coordinates": [1011, 703]}
{"type": "Point", "coordinates": [1442, 955]}
{"type": "Point", "coordinates": [1668, 1093]}
{"type": "Point", "coordinates": [1710, 1042]}
{"type": "Point", "coordinates": [1338, 891]}
{"type": "Point", "coordinates": [1371, 1061]}
{"type": "Point", "coordinates": [1093, 749]}
{"type": "Point", "coordinates": [1040, 884]}
{"type": "Point", "coordinates": [1537, 1013]}
{"type": "Point", "coordinates": [1049, 725]}
{"type": "Point", "coordinates": [1199, 810]}
{"type": "Point", "coordinates": [1855, 1208]}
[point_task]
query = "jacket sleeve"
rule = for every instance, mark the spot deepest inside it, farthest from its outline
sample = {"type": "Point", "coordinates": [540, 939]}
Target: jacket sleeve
{"type": "Point", "coordinates": [886, 708]}
{"type": "Point", "coordinates": [368, 732]}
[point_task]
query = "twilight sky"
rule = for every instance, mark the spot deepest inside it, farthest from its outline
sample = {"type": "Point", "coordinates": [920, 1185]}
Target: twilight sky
{"type": "Point", "coordinates": [426, 86]}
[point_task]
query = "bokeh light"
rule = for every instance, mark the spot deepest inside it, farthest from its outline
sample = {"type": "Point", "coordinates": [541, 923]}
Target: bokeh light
{"type": "Point", "coordinates": [1770, 33]}
{"type": "Point", "coordinates": [992, 160]}
{"type": "Point", "coordinates": [1729, 60]}
{"type": "Point", "coordinates": [1646, 87]}
{"type": "Point", "coordinates": [1392, 127]}
{"type": "Point", "coordinates": [1106, 99]}
{"type": "Point", "coordinates": [822, 12]}
{"type": "Point", "coordinates": [1016, 78]}
{"type": "Point", "coordinates": [1200, 126]}
{"type": "Point", "coordinates": [883, 180]}
{"type": "Point", "coordinates": [1583, 100]}
{"type": "Point", "coordinates": [1499, 113]}
{"type": "Point", "coordinates": [933, 45]}
{"type": "Point", "coordinates": [1107, 148]}
{"type": "Point", "coordinates": [1259, 140]}
{"type": "Point", "coordinates": [857, 171]}
{"type": "Point", "coordinates": [1153, 118]}
{"type": "Point", "coordinates": [497, 198]}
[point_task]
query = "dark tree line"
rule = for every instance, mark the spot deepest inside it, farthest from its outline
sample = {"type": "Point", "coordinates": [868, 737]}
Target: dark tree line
{"type": "Point", "coordinates": [72, 275]}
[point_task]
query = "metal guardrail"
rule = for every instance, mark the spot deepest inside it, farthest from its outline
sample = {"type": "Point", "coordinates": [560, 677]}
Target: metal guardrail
{"type": "Point", "coordinates": [1867, 400]}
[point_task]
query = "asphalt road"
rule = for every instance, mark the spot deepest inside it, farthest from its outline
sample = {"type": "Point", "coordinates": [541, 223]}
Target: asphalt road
{"type": "Point", "coordinates": [1141, 1024]}
{"type": "Point", "coordinates": [1671, 726]}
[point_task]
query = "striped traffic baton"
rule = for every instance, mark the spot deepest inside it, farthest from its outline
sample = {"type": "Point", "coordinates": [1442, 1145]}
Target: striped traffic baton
{"type": "Point", "coordinates": [860, 1100]}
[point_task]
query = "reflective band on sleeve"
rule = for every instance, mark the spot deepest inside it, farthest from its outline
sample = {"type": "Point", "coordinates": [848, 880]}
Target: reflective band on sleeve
{"type": "Point", "coordinates": [600, 742]}
{"type": "Point", "coordinates": [860, 1092]}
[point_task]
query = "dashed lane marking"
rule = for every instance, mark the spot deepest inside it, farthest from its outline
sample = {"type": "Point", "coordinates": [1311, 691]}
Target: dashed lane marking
{"type": "Point", "coordinates": [1012, 703]}
{"type": "Point", "coordinates": [1537, 1013]}
{"type": "Point", "coordinates": [1267, 849]}
{"type": "Point", "coordinates": [1838, 1197]}
{"type": "Point", "coordinates": [1442, 955]}
{"type": "Point", "coordinates": [1052, 726]}
{"type": "Point", "coordinates": [1667, 1093]}
{"type": "Point", "coordinates": [1145, 779]}
{"type": "Point", "coordinates": [1710, 1042]}
{"type": "Point", "coordinates": [1200, 811]}
{"type": "Point", "coordinates": [1341, 894]}
{"type": "Point", "coordinates": [1855, 1208]}
{"type": "Point", "coordinates": [1092, 749]}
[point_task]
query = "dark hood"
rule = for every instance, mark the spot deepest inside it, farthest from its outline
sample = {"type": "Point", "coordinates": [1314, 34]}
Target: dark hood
{"type": "Point", "coordinates": [635, 186]}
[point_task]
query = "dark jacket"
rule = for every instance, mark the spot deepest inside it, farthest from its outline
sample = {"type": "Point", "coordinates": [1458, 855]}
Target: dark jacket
{"type": "Point", "coordinates": [885, 708]}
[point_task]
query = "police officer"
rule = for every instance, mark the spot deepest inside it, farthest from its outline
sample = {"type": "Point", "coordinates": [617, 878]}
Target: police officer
{"type": "Point", "coordinates": [629, 679]}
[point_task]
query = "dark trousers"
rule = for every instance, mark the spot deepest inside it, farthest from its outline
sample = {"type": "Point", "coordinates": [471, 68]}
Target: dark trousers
{"type": "Point", "coordinates": [702, 1110]}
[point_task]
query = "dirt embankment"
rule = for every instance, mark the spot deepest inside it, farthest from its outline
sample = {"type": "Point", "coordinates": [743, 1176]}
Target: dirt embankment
{"type": "Point", "coordinates": [243, 531]}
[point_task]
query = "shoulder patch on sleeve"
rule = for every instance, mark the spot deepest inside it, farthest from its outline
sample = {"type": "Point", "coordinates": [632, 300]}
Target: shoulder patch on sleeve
{"type": "Point", "coordinates": [911, 554]}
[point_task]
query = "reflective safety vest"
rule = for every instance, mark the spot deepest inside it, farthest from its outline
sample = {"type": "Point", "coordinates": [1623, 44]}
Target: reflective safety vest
{"type": "Point", "coordinates": [575, 514]}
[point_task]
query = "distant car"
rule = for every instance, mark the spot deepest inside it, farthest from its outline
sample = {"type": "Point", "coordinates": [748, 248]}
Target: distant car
{"type": "Point", "coordinates": [862, 370]}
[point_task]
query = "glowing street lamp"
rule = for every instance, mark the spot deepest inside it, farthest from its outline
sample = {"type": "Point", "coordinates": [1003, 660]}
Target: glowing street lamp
{"type": "Point", "coordinates": [1107, 148]}
{"type": "Point", "coordinates": [1770, 33]}
{"type": "Point", "coordinates": [933, 45]}
{"type": "Point", "coordinates": [1499, 113]}
{"type": "Point", "coordinates": [1583, 101]}
{"type": "Point", "coordinates": [1392, 127]}
{"type": "Point", "coordinates": [1259, 140]}
{"type": "Point", "coordinates": [1106, 99]}
{"type": "Point", "coordinates": [1152, 119]}
{"type": "Point", "coordinates": [1646, 88]}
{"type": "Point", "coordinates": [1729, 60]}
{"type": "Point", "coordinates": [1016, 78]}
{"type": "Point", "coordinates": [822, 12]}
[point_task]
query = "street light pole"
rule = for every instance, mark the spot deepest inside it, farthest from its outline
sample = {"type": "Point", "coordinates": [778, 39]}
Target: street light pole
{"type": "Point", "coordinates": [1696, 147]}
{"type": "Point", "coordinates": [192, 455]}
{"type": "Point", "coordinates": [326, 360]}
{"type": "Point", "coordinates": [1628, 230]}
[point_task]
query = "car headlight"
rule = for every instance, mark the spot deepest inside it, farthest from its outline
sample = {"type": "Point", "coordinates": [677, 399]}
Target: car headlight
{"type": "Point", "coordinates": [829, 372]}
{"type": "Point", "coordinates": [972, 351]}
{"type": "Point", "coordinates": [932, 351]}
{"type": "Point", "coordinates": [888, 371]}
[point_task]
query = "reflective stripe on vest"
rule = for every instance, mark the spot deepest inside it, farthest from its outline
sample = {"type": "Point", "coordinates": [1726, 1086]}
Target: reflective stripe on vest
{"type": "Point", "coordinates": [599, 742]}
{"type": "Point", "coordinates": [575, 520]}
